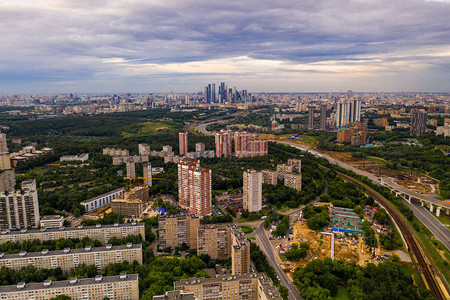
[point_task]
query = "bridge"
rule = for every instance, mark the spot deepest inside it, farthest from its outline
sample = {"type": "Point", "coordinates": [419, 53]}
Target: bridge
{"type": "Point", "coordinates": [434, 205]}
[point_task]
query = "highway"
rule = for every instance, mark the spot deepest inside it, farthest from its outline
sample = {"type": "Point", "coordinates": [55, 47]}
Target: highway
{"type": "Point", "coordinates": [439, 230]}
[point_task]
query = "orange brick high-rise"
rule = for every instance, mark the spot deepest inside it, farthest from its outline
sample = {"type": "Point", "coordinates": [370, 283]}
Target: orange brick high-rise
{"type": "Point", "coordinates": [194, 187]}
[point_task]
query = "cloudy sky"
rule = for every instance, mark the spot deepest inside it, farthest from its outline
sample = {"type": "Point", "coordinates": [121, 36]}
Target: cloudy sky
{"type": "Point", "coordinates": [259, 45]}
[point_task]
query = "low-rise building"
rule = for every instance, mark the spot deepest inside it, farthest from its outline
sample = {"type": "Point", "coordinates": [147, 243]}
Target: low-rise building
{"type": "Point", "coordinates": [70, 258]}
{"type": "Point", "coordinates": [81, 157]}
{"type": "Point", "coordinates": [98, 232]}
{"type": "Point", "coordinates": [122, 287]}
{"type": "Point", "coordinates": [445, 130]}
{"type": "Point", "coordinates": [115, 152]}
{"type": "Point", "coordinates": [53, 221]}
{"type": "Point", "coordinates": [101, 200]}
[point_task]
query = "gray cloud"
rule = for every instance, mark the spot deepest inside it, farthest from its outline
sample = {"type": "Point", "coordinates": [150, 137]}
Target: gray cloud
{"type": "Point", "coordinates": [63, 38]}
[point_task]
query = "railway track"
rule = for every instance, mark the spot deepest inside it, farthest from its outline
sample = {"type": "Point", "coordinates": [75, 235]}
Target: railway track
{"type": "Point", "coordinates": [425, 268]}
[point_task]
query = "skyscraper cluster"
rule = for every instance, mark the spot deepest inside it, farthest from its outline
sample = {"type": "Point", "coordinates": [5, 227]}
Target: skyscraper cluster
{"type": "Point", "coordinates": [348, 110]}
{"type": "Point", "coordinates": [225, 94]}
{"type": "Point", "coordinates": [194, 187]}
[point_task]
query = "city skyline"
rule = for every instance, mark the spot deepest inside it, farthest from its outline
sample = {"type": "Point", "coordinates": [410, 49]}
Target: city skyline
{"type": "Point", "coordinates": [57, 46]}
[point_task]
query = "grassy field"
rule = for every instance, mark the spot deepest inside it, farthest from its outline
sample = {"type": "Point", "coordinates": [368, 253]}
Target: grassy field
{"type": "Point", "coordinates": [150, 127]}
{"type": "Point", "coordinates": [342, 294]}
{"type": "Point", "coordinates": [145, 128]}
{"type": "Point", "coordinates": [247, 229]}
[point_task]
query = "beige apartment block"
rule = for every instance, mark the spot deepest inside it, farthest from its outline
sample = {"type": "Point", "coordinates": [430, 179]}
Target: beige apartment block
{"type": "Point", "coordinates": [122, 287]}
{"type": "Point", "coordinates": [214, 240]}
{"type": "Point", "coordinates": [240, 252]}
{"type": "Point", "coordinates": [70, 258]}
{"type": "Point", "coordinates": [270, 177]}
{"type": "Point", "coordinates": [178, 229]}
{"type": "Point", "coordinates": [225, 241]}
{"type": "Point", "coordinates": [293, 181]}
{"type": "Point", "coordinates": [283, 170]}
{"type": "Point", "coordinates": [98, 232]}
{"type": "Point", "coordinates": [296, 164]}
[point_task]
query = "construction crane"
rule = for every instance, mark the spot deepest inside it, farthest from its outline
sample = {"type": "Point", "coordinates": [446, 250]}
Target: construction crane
{"type": "Point", "coordinates": [145, 178]}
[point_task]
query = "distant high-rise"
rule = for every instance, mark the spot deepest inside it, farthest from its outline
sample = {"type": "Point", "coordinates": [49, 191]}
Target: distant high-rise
{"type": "Point", "coordinates": [147, 170]}
{"type": "Point", "coordinates": [5, 161]}
{"type": "Point", "coordinates": [323, 117]}
{"type": "Point", "coordinates": [213, 93]}
{"type": "Point", "coordinates": [223, 143]}
{"type": "Point", "coordinates": [348, 111]}
{"type": "Point", "coordinates": [183, 142]}
{"type": "Point", "coordinates": [3, 145]}
{"type": "Point", "coordinates": [131, 170]}
{"type": "Point", "coordinates": [311, 117]}
{"type": "Point", "coordinates": [349, 94]}
{"type": "Point", "coordinates": [252, 190]}
{"type": "Point", "coordinates": [418, 122]}
{"type": "Point", "coordinates": [205, 94]}
{"type": "Point", "coordinates": [144, 149]}
{"type": "Point", "coordinates": [199, 147]}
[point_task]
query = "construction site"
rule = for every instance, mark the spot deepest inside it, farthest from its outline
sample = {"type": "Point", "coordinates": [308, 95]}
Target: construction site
{"type": "Point", "coordinates": [350, 247]}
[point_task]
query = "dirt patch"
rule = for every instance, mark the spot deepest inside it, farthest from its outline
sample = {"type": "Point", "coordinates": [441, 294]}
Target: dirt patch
{"type": "Point", "coordinates": [347, 248]}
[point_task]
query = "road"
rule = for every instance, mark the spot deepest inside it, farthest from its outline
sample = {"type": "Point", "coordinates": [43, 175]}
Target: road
{"type": "Point", "coordinates": [269, 251]}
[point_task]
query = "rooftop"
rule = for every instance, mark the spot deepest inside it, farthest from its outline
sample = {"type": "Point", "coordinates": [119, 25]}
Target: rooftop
{"type": "Point", "coordinates": [65, 283]}
{"type": "Point", "coordinates": [66, 251]}
{"type": "Point", "coordinates": [80, 227]}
